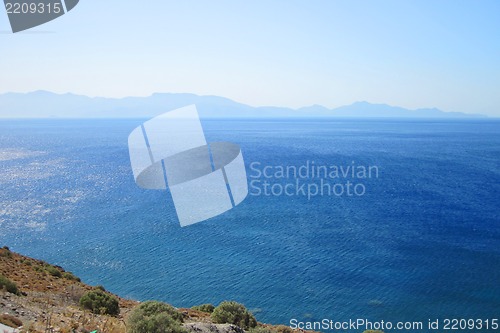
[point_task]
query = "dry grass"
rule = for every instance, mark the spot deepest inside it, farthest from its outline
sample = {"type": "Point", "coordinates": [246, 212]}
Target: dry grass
{"type": "Point", "coordinates": [50, 300]}
{"type": "Point", "coordinates": [10, 321]}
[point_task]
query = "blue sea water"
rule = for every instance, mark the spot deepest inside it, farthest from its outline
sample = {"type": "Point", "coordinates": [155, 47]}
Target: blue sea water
{"type": "Point", "coordinates": [422, 243]}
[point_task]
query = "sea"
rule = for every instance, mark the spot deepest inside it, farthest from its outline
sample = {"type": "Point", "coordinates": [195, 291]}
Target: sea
{"type": "Point", "coordinates": [417, 240]}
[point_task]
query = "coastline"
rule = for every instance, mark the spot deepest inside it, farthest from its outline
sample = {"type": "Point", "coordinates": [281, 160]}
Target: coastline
{"type": "Point", "coordinates": [47, 299]}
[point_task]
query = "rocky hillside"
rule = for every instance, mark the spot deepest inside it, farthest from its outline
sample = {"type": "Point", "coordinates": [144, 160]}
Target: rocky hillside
{"type": "Point", "coordinates": [38, 297]}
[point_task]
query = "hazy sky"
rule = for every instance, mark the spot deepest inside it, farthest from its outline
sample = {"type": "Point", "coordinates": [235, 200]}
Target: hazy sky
{"type": "Point", "coordinates": [414, 54]}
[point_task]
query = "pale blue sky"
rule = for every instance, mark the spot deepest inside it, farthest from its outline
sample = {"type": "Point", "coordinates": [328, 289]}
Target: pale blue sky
{"type": "Point", "coordinates": [414, 54]}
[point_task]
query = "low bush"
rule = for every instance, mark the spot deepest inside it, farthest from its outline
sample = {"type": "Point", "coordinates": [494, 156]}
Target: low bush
{"type": "Point", "coordinates": [53, 271]}
{"type": "Point", "coordinates": [233, 313]}
{"type": "Point", "coordinates": [155, 317]}
{"type": "Point", "coordinates": [100, 302]}
{"type": "Point", "coordinates": [5, 252]}
{"type": "Point", "coordinates": [209, 308]}
{"type": "Point", "coordinates": [8, 285]}
{"type": "Point", "coordinates": [70, 276]}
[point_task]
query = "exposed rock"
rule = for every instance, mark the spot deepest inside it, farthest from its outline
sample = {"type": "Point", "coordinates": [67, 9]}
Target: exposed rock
{"type": "Point", "coordinates": [212, 328]}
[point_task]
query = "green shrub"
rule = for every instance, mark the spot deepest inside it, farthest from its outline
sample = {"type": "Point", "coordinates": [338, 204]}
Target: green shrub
{"type": "Point", "coordinates": [100, 302]}
{"type": "Point", "coordinates": [100, 287]}
{"type": "Point", "coordinates": [155, 317]}
{"type": "Point", "coordinates": [204, 308]}
{"type": "Point", "coordinates": [70, 276]}
{"type": "Point", "coordinates": [10, 286]}
{"type": "Point", "coordinates": [53, 271]}
{"type": "Point", "coordinates": [233, 313]}
{"type": "Point", "coordinates": [5, 252]}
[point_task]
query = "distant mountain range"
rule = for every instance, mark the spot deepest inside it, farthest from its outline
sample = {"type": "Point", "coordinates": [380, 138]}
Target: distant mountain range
{"type": "Point", "coordinates": [43, 104]}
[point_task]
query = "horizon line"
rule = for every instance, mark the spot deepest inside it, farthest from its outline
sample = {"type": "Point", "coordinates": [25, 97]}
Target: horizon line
{"type": "Point", "coordinates": [293, 117]}
{"type": "Point", "coordinates": [253, 106]}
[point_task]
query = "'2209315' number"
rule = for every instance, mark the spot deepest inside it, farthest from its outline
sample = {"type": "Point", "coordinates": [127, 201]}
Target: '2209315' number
{"type": "Point", "coordinates": [33, 8]}
{"type": "Point", "coordinates": [470, 324]}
